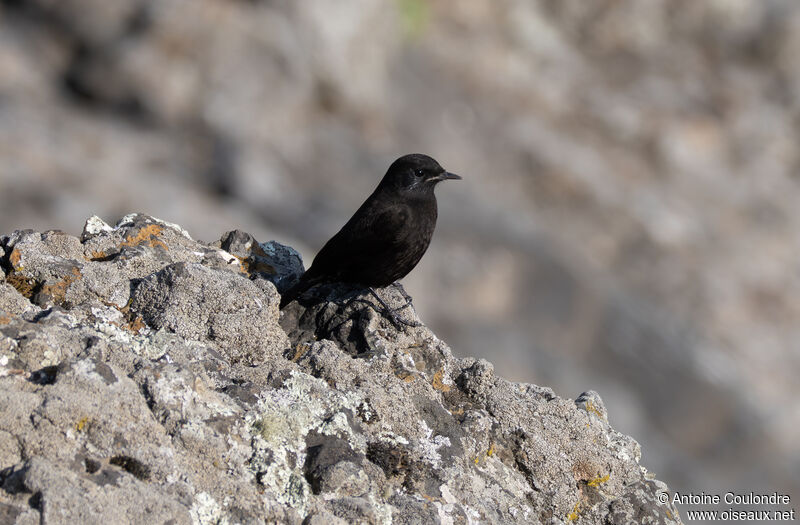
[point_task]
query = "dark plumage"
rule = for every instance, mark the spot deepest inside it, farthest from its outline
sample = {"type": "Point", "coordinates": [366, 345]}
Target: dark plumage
{"type": "Point", "coordinates": [387, 236]}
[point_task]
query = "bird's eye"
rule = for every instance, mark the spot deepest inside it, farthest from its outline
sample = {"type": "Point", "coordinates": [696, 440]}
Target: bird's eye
{"type": "Point", "coordinates": [419, 172]}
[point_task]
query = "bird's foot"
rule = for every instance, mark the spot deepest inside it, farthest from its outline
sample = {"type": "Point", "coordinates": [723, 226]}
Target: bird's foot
{"type": "Point", "coordinates": [397, 320]}
{"type": "Point", "coordinates": [397, 286]}
{"type": "Point", "coordinates": [391, 313]}
{"type": "Point", "coordinates": [385, 310]}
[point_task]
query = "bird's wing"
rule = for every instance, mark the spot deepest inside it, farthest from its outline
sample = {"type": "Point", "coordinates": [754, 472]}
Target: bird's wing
{"type": "Point", "coordinates": [381, 231]}
{"type": "Point", "coordinates": [369, 236]}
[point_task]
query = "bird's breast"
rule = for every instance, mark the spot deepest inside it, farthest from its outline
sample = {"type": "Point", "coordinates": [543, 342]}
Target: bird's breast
{"type": "Point", "coordinates": [421, 220]}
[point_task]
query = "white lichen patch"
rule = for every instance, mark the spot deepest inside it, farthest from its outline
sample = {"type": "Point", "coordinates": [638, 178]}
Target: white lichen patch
{"type": "Point", "coordinates": [624, 447]}
{"type": "Point", "coordinates": [52, 356]}
{"type": "Point", "coordinates": [131, 217]}
{"type": "Point", "coordinates": [141, 343]}
{"type": "Point", "coordinates": [107, 314]}
{"type": "Point", "coordinates": [195, 400]}
{"type": "Point", "coordinates": [206, 511]}
{"type": "Point", "coordinates": [95, 225]}
{"type": "Point", "coordinates": [282, 420]}
{"type": "Point", "coordinates": [88, 368]}
{"type": "Point", "coordinates": [228, 257]}
{"type": "Point", "coordinates": [383, 511]}
{"type": "Point", "coordinates": [431, 444]}
{"type": "Point", "coordinates": [445, 510]}
{"type": "Point", "coordinates": [407, 360]}
{"type": "Point", "coordinates": [452, 505]}
{"type": "Point", "coordinates": [387, 436]}
{"type": "Point", "coordinates": [4, 363]}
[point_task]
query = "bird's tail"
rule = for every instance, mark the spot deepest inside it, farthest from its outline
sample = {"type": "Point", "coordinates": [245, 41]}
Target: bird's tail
{"type": "Point", "coordinates": [299, 287]}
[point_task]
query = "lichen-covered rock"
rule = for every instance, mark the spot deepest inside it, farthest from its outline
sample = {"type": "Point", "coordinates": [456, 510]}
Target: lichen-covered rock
{"type": "Point", "coordinates": [158, 385]}
{"type": "Point", "coordinates": [204, 304]}
{"type": "Point", "coordinates": [12, 303]}
{"type": "Point", "coordinates": [53, 268]}
{"type": "Point", "coordinates": [279, 264]}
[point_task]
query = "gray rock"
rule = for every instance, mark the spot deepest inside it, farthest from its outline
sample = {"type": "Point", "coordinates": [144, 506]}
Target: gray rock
{"type": "Point", "coordinates": [65, 495]}
{"type": "Point", "coordinates": [191, 404]}
{"type": "Point", "coordinates": [204, 304]}
{"type": "Point", "coordinates": [323, 518]}
{"type": "Point", "coordinates": [593, 405]}
{"type": "Point", "coordinates": [279, 264]}
{"type": "Point", "coordinates": [12, 303]}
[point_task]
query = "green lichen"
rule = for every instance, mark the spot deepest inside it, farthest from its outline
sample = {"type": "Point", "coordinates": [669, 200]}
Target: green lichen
{"type": "Point", "coordinates": [279, 425]}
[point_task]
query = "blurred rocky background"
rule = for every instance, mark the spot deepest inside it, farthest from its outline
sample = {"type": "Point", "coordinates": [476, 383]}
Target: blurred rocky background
{"type": "Point", "coordinates": [628, 220]}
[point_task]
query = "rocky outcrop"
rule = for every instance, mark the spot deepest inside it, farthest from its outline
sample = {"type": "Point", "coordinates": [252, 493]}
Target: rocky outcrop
{"type": "Point", "coordinates": [147, 377]}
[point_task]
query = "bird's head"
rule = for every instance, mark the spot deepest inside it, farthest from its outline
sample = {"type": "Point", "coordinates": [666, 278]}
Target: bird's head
{"type": "Point", "coordinates": [415, 173]}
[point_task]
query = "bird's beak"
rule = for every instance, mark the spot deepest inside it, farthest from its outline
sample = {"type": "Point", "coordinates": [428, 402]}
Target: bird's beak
{"type": "Point", "coordinates": [445, 176]}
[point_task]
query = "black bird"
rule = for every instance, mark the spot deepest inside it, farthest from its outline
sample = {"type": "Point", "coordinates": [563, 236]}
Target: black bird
{"type": "Point", "coordinates": [387, 236]}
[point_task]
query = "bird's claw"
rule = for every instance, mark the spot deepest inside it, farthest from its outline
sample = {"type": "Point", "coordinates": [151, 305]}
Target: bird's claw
{"type": "Point", "coordinates": [387, 312]}
{"type": "Point", "coordinates": [397, 321]}
{"type": "Point", "coordinates": [391, 313]}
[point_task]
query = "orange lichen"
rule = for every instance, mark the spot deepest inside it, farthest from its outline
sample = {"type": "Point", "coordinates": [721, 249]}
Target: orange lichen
{"type": "Point", "coordinates": [252, 265]}
{"type": "Point", "coordinates": [58, 290]}
{"type": "Point", "coordinates": [438, 384]}
{"type": "Point", "coordinates": [15, 259]}
{"type": "Point", "coordinates": [242, 263]}
{"type": "Point", "coordinates": [147, 235]}
{"type": "Point", "coordinates": [299, 351]}
{"type": "Point", "coordinates": [584, 469]}
{"type": "Point", "coordinates": [136, 324]}
{"type": "Point", "coordinates": [405, 375]}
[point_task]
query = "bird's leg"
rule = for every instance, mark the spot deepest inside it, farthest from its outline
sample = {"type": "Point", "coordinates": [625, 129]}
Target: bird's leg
{"type": "Point", "coordinates": [386, 310]}
{"type": "Point", "coordinates": [405, 295]}
{"type": "Point", "coordinates": [396, 321]}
